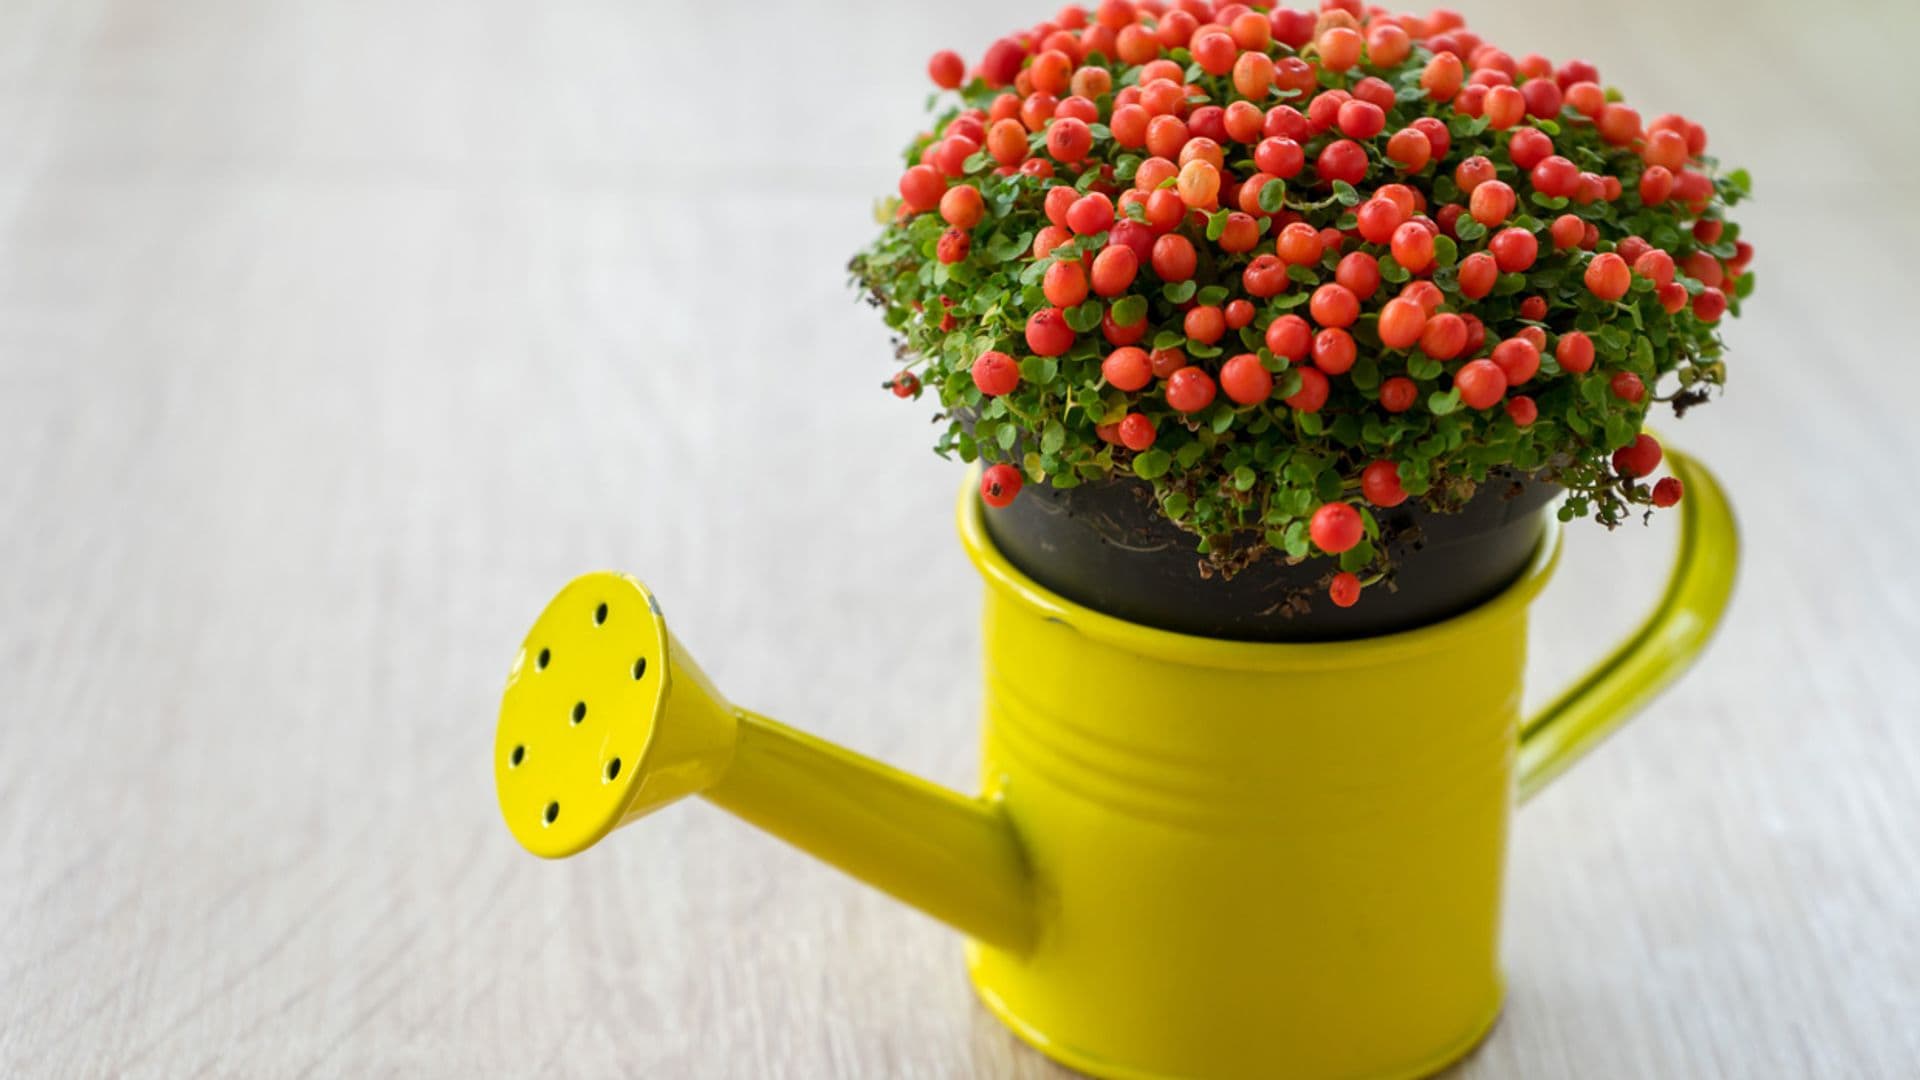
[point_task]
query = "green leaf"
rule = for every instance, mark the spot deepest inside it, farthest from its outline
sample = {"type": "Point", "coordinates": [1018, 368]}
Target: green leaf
{"type": "Point", "coordinates": [1039, 370]}
{"type": "Point", "coordinates": [1594, 391]}
{"type": "Point", "coordinates": [1365, 374]}
{"type": "Point", "coordinates": [1345, 192]}
{"type": "Point", "coordinates": [1243, 479]}
{"type": "Point", "coordinates": [1357, 557]}
{"type": "Point", "coordinates": [1212, 295]}
{"type": "Point", "coordinates": [1179, 292]}
{"type": "Point", "coordinates": [1053, 438]}
{"type": "Point", "coordinates": [1007, 436]}
{"type": "Point", "coordinates": [1468, 229]}
{"type": "Point", "coordinates": [1273, 196]}
{"type": "Point", "coordinates": [1443, 404]}
{"type": "Point", "coordinates": [1422, 366]}
{"type": "Point", "coordinates": [1175, 504]}
{"type": "Point", "coordinates": [1621, 429]}
{"type": "Point", "coordinates": [1152, 464]}
{"type": "Point", "coordinates": [1129, 309]}
{"type": "Point", "coordinates": [1298, 541]}
{"type": "Point", "coordinates": [1217, 224]}
{"type": "Point", "coordinates": [1085, 317]}
{"type": "Point", "coordinates": [1346, 430]}
{"type": "Point", "coordinates": [1643, 354]}
{"type": "Point", "coordinates": [1008, 245]}
{"type": "Point", "coordinates": [1287, 383]}
{"type": "Point", "coordinates": [1445, 251]}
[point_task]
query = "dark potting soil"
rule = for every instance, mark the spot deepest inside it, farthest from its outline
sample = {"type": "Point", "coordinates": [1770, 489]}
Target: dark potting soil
{"type": "Point", "coordinates": [1107, 546]}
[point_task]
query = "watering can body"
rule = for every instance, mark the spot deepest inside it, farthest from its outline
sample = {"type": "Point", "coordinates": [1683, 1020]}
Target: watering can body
{"type": "Point", "coordinates": [1251, 859]}
{"type": "Point", "coordinates": [1190, 857]}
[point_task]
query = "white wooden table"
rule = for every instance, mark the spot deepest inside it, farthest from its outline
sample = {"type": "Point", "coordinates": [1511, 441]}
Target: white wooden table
{"type": "Point", "coordinates": [334, 336]}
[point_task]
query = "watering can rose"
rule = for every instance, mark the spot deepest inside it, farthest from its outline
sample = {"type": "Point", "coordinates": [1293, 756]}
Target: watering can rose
{"type": "Point", "coordinates": [1290, 267]}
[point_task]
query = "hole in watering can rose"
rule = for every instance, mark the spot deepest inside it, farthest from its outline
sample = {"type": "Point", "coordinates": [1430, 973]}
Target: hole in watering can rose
{"type": "Point", "coordinates": [519, 754]}
{"type": "Point", "coordinates": [613, 769]}
{"type": "Point", "coordinates": [579, 711]}
{"type": "Point", "coordinates": [553, 811]}
{"type": "Point", "coordinates": [600, 615]}
{"type": "Point", "coordinates": [540, 662]}
{"type": "Point", "coordinates": [639, 667]}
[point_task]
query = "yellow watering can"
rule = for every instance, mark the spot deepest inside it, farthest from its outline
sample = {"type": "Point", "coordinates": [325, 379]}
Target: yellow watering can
{"type": "Point", "coordinates": [1191, 857]}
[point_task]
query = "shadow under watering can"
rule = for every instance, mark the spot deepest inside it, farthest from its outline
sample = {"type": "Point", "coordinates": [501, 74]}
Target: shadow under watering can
{"type": "Point", "coordinates": [1191, 857]}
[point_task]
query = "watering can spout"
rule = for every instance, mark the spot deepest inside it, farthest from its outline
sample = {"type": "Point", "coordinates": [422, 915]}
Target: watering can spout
{"type": "Point", "coordinates": [606, 718]}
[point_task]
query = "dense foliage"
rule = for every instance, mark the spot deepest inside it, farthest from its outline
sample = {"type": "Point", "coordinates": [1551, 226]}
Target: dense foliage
{"type": "Point", "coordinates": [1289, 267]}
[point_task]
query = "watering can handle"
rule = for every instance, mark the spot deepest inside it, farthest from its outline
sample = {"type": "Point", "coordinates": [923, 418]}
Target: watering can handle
{"type": "Point", "coordinates": [1664, 645]}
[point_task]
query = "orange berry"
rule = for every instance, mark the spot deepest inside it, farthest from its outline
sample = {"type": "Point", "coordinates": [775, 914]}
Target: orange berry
{"type": "Point", "coordinates": [1199, 183]}
{"type": "Point", "coordinates": [1608, 277]}
{"type": "Point", "coordinates": [1339, 48]}
{"type": "Point", "coordinates": [1401, 323]}
{"type": "Point", "coordinates": [962, 206]}
{"type": "Point", "coordinates": [1174, 258]}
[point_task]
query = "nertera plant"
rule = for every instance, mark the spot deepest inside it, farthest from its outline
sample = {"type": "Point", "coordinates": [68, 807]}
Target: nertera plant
{"type": "Point", "coordinates": [1291, 267]}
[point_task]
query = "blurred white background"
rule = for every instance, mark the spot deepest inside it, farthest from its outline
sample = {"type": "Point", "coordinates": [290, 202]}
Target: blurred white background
{"type": "Point", "coordinates": [335, 336]}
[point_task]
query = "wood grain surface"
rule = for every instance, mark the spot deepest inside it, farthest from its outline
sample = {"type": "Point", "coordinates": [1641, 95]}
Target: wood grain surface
{"type": "Point", "coordinates": [334, 336]}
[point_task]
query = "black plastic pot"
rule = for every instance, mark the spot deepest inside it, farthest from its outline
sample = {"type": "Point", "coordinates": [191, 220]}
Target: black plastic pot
{"type": "Point", "coordinates": [1108, 547]}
